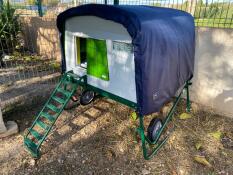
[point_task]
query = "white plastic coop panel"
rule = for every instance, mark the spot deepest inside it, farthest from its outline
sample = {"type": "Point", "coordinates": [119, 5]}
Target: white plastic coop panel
{"type": "Point", "coordinates": [119, 52]}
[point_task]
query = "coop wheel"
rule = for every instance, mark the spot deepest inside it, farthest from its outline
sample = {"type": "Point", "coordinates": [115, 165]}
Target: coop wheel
{"type": "Point", "coordinates": [87, 97]}
{"type": "Point", "coordinates": [153, 129]}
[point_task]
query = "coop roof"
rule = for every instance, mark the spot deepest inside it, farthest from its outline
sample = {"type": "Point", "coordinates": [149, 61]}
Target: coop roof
{"type": "Point", "coordinates": [164, 46]}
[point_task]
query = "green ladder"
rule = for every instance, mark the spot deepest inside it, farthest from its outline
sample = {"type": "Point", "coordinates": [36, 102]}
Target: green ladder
{"type": "Point", "coordinates": [45, 120]}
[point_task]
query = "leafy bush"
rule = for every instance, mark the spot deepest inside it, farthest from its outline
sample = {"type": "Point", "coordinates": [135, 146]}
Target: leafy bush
{"type": "Point", "coordinates": [212, 10]}
{"type": "Point", "coordinates": [50, 2]}
{"type": "Point", "coordinates": [9, 29]}
{"type": "Point", "coordinates": [31, 2]}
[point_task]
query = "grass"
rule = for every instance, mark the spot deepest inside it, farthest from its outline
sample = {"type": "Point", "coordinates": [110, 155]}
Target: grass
{"type": "Point", "coordinates": [218, 23]}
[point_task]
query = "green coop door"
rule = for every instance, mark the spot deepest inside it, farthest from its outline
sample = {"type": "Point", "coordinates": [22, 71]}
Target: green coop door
{"type": "Point", "coordinates": [94, 52]}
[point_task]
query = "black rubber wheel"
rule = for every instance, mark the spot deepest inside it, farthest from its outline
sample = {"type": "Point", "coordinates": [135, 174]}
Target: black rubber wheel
{"type": "Point", "coordinates": [153, 129]}
{"type": "Point", "coordinates": [87, 97]}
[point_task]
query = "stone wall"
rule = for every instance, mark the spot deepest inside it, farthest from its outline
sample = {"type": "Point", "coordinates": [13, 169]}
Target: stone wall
{"type": "Point", "coordinates": [213, 78]}
{"type": "Point", "coordinates": [40, 36]}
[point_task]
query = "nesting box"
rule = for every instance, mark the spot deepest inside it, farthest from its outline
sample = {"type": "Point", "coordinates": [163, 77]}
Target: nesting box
{"type": "Point", "coordinates": [102, 50]}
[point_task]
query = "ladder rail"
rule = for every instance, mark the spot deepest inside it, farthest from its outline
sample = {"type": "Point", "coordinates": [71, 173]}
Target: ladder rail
{"type": "Point", "coordinates": [72, 80]}
{"type": "Point", "coordinates": [53, 93]}
{"type": "Point", "coordinates": [51, 126]}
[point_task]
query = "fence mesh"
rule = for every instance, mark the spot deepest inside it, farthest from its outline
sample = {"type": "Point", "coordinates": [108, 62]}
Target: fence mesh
{"type": "Point", "coordinates": [207, 13]}
{"type": "Point", "coordinates": [29, 45]}
{"type": "Point", "coordinates": [28, 60]}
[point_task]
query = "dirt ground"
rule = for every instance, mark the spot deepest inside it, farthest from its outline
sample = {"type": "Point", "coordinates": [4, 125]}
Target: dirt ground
{"type": "Point", "coordinates": [100, 139]}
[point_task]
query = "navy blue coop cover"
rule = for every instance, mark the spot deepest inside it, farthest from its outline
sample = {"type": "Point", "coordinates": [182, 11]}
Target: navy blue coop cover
{"type": "Point", "coordinates": [164, 47]}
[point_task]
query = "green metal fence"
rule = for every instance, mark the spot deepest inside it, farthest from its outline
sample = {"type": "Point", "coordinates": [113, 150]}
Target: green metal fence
{"type": "Point", "coordinates": [24, 72]}
{"type": "Point", "coordinates": [207, 13]}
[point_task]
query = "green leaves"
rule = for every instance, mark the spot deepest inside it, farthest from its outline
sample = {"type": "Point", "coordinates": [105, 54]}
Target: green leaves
{"type": "Point", "coordinates": [184, 116]}
{"type": "Point", "coordinates": [9, 28]}
{"type": "Point", "coordinates": [217, 135]}
{"type": "Point", "coordinates": [134, 116]}
{"type": "Point", "coordinates": [202, 160]}
{"type": "Point", "coordinates": [198, 145]}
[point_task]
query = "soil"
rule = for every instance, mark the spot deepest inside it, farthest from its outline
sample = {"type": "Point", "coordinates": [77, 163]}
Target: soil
{"type": "Point", "coordinates": [100, 139]}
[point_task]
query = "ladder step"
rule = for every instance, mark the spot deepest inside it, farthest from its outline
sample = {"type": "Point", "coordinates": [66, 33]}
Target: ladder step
{"type": "Point", "coordinates": [73, 75]}
{"type": "Point", "coordinates": [47, 116]}
{"type": "Point", "coordinates": [66, 82]}
{"type": "Point", "coordinates": [45, 120]}
{"type": "Point", "coordinates": [53, 108]}
{"type": "Point", "coordinates": [31, 147]}
{"type": "Point", "coordinates": [63, 91]}
{"type": "Point", "coordinates": [58, 99]}
{"type": "Point", "coordinates": [35, 134]}
{"type": "Point", "coordinates": [42, 124]}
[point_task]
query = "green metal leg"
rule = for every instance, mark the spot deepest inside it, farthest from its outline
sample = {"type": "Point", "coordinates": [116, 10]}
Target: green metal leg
{"type": "Point", "coordinates": [39, 4]}
{"type": "Point", "coordinates": [188, 104]}
{"type": "Point", "coordinates": [158, 144]}
{"type": "Point", "coordinates": [145, 140]}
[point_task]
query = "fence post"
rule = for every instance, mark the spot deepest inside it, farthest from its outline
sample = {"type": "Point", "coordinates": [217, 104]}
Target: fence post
{"type": "Point", "coordinates": [1, 4]}
{"type": "Point", "coordinates": [39, 8]}
{"type": "Point", "coordinates": [192, 6]}
{"type": "Point", "coordinates": [105, 2]}
{"type": "Point", "coordinates": [116, 2]}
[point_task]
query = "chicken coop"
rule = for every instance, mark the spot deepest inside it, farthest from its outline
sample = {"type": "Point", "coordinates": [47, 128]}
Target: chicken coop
{"type": "Point", "coordinates": [140, 56]}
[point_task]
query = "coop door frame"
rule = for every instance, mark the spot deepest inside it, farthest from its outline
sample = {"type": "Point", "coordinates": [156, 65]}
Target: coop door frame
{"type": "Point", "coordinates": [94, 53]}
